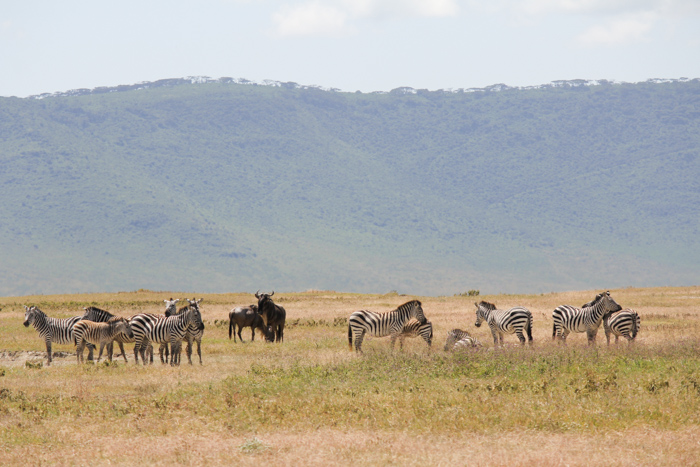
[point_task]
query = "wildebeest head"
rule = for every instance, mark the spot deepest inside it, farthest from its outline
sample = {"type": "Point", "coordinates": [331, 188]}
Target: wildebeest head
{"type": "Point", "coordinates": [265, 303]}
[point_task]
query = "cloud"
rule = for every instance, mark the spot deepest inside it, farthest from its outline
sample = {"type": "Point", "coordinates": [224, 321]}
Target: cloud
{"type": "Point", "coordinates": [620, 31]}
{"type": "Point", "coordinates": [336, 17]}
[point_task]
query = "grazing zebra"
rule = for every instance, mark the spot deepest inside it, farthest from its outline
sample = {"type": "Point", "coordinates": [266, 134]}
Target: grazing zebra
{"type": "Point", "coordinates": [160, 329]}
{"type": "Point", "coordinates": [587, 319]}
{"type": "Point", "coordinates": [414, 328]}
{"type": "Point", "coordinates": [98, 315]}
{"type": "Point", "coordinates": [503, 322]}
{"type": "Point", "coordinates": [100, 334]}
{"type": "Point", "coordinates": [458, 339]}
{"type": "Point", "coordinates": [192, 332]}
{"type": "Point", "coordinates": [51, 330]}
{"type": "Point", "coordinates": [382, 324]}
{"type": "Point", "coordinates": [625, 323]}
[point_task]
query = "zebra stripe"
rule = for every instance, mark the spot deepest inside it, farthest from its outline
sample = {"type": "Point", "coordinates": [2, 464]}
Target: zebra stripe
{"type": "Point", "coordinates": [171, 329]}
{"type": "Point", "coordinates": [587, 319]}
{"type": "Point", "coordinates": [513, 321]}
{"type": "Point", "coordinates": [458, 339]}
{"type": "Point", "coordinates": [625, 323]}
{"type": "Point", "coordinates": [193, 332]}
{"type": "Point", "coordinates": [382, 324]}
{"type": "Point", "coordinates": [100, 334]}
{"type": "Point", "coordinates": [52, 330]}
{"type": "Point", "coordinates": [414, 328]}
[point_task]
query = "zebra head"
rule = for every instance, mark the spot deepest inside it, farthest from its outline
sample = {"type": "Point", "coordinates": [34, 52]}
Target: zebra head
{"type": "Point", "coordinates": [609, 304]}
{"type": "Point", "coordinates": [170, 306]}
{"type": "Point", "coordinates": [120, 325]}
{"type": "Point", "coordinates": [483, 311]}
{"type": "Point", "coordinates": [417, 312]}
{"type": "Point", "coordinates": [452, 338]}
{"type": "Point", "coordinates": [195, 314]}
{"type": "Point", "coordinates": [29, 315]}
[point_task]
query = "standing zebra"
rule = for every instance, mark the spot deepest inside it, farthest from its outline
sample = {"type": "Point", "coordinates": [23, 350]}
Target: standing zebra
{"type": "Point", "coordinates": [501, 322]}
{"type": "Point", "coordinates": [51, 330]}
{"type": "Point", "coordinates": [98, 315]}
{"type": "Point", "coordinates": [625, 323]}
{"type": "Point", "coordinates": [414, 328]}
{"type": "Point", "coordinates": [568, 318]}
{"type": "Point", "coordinates": [382, 324]}
{"type": "Point", "coordinates": [86, 331]}
{"type": "Point", "coordinates": [193, 332]}
{"type": "Point", "coordinates": [458, 339]}
{"type": "Point", "coordinates": [158, 329]}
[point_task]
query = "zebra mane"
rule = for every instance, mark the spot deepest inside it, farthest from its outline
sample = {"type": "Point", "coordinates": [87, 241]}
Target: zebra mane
{"type": "Point", "coordinates": [486, 305]}
{"type": "Point", "coordinates": [593, 302]}
{"type": "Point", "coordinates": [115, 319]}
{"type": "Point", "coordinates": [36, 309]}
{"type": "Point", "coordinates": [94, 309]}
{"type": "Point", "coordinates": [408, 305]}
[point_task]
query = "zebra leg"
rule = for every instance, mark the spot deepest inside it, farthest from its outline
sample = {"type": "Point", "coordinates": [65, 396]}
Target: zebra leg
{"type": "Point", "coordinates": [358, 342]}
{"type": "Point", "coordinates": [175, 349]}
{"type": "Point", "coordinates": [199, 348]}
{"type": "Point", "coordinates": [163, 349]}
{"type": "Point", "coordinates": [521, 337]}
{"type": "Point", "coordinates": [79, 351]}
{"type": "Point", "coordinates": [121, 347]}
{"type": "Point", "coordinates": [91, 348]}
{"type": "Point", "coordinates": [495, 338]}
{"type": "Point", "coordinates": [102, 347]}
{"type": "Point", "coordinates": [591, 336]}
{"type": "Point", "coordinates": [189, 349]}
{"type": "Point", "coordinates": [48, 353]}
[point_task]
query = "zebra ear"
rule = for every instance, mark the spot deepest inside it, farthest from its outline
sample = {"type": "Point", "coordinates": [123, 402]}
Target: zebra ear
{"type": "Point", "coordinates": [26, 308]}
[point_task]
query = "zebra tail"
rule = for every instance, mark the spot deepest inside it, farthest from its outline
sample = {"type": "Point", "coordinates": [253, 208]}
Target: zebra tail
{"type": "Point", "coordinates": [529, 328]}
{"type": "Point", "coordinates": [554, 330]}
{"type": "Point", "coordinates": [350, 337]}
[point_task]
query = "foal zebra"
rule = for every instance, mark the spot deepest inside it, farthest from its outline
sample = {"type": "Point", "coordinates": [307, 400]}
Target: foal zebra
{"type": "Point", "coordinates": [51, 330]}
{"type": "Point", "coordinates": [625, 323]}
{"type": "Point", "coordinates": [193, 332]}
{"type": "Point", "coordinates": [98, 315]}
{"type": "Point", "coordinates": [458, 339]}
{"type": "Point", "coordinates": [587, 319]}
{"type": "Point", "coordinates": [382, 324]}
{"type": "Point", "coordinates": [86, 331]}
{"type": "Point", "coordinates": [159, 329]}
{"type": "Point", "coordinates": [414, 328]}
{"type": "Point", "coordinates": [503, 322]}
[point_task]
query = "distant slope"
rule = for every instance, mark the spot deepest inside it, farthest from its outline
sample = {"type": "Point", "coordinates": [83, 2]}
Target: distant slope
{"type": "Point", "coordinates": [229, 187]}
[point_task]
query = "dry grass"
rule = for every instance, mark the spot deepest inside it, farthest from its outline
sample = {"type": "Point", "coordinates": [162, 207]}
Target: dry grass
{"type": "Point", "coordinates": [312, 401]}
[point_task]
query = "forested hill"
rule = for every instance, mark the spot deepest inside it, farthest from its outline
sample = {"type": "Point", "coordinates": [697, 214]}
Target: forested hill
{"type": "Point", "coordinates": [222, 186]}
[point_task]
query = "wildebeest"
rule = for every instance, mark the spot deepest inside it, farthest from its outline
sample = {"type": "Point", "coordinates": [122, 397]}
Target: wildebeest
{"type": "Point", "coordinates": [273, 315]}
{"type": "Point", "coordinates": [246, 316]}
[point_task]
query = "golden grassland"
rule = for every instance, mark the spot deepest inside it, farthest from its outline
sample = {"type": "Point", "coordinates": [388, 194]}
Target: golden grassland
{"type": "Point", "coordinates": [310, 401]}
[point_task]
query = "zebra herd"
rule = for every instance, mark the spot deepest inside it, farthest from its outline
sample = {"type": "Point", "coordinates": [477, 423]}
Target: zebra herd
{"type": "Point", "coordinates": [97, 327]}
{"type": "Point", "coordinates": [409, 320]}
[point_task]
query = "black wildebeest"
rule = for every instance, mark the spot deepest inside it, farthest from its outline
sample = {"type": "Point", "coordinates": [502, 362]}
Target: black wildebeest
{"type": "Point", "coordinates": [273, 315]}
{"type": "Point", "coordinates": [246, 316]}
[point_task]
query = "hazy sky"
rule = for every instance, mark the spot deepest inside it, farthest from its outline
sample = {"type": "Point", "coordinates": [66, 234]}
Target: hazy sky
{"type": "Point", "coordinates": [367, 45]}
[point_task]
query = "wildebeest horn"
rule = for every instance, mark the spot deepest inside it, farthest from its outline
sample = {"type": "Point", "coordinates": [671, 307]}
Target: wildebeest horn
{"type": "Point", "coordinates": [273, 292]}
{"type": "Point", "coordinates": [257, 294]}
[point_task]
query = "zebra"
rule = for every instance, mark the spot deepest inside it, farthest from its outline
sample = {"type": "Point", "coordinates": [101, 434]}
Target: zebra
{"type": "Point", "coordinates": [501, 322]}
{"type": "Point", "coordinates": [567, 318]}
{"type": "Point", "coordinates": [625, 323]}
{"type": "Point", "coordinates": [413, 328]}
{"type": "Point", "coordinates": [382, 324]}
{"type": "Point", "coordinates": [51, 330]}
{"type": "Point", "coordinates": [86, 331]}
{"type": "Point", "coordinates": [458, 339]}
{"type": "Point", "coordinates": [192, 332]}
{"type": "Point", "coordinates": [98, 315]}
{"type": "Point", "coordinates": [160, 329]}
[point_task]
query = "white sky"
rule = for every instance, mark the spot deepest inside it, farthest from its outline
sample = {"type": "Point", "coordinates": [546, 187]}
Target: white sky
{"type": "Point", "coordinates": [366, 45]}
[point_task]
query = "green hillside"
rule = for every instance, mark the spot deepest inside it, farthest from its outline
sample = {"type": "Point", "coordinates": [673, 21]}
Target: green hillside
{"type": "Point", "coordinates": [230, 187]}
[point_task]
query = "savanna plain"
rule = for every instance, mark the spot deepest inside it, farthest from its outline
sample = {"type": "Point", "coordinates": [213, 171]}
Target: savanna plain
{"type": "Point", "coordinates": [311, 401]}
